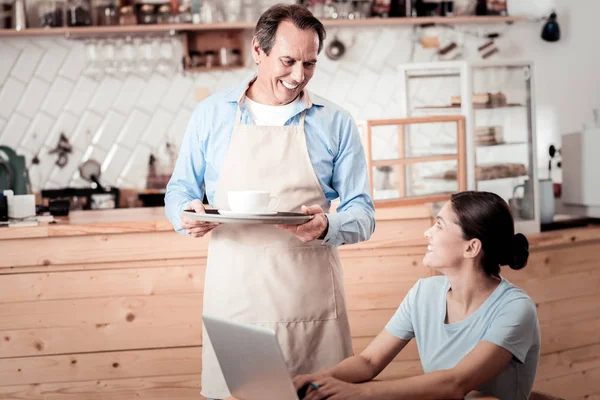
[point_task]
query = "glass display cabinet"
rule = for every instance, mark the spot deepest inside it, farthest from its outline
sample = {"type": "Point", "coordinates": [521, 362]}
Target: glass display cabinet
{"type": "Point", "coordinates": [496, 100]}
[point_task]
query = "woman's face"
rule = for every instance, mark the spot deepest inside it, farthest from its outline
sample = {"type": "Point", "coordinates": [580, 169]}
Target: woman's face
{"type": "Point", "coordinates": [445, 244]}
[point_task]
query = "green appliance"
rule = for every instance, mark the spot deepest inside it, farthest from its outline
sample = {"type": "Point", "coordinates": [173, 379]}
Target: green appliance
{"type": "Point", "coordinates": [13, 171]}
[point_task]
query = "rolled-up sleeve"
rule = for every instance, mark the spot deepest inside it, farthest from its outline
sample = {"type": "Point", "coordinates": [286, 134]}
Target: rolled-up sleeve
{"type": "Point", "coordinates": [355, 218]}
{"type": "Point", "coordinates": [187, 182]}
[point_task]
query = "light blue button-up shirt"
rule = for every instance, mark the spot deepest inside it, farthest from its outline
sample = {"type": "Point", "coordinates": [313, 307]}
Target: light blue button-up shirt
{"type": "Point", "coordinates": [334, 148]}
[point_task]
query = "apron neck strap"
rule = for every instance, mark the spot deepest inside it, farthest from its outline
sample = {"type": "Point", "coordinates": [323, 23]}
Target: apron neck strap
{"type": "Point", "coordinates": [238, 114]}
{"type": "Point", "coordinates": [302, 117]}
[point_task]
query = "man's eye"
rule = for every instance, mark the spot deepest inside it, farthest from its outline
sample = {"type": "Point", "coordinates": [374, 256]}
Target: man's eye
{"type": "Point", "coordinates": [288, 63]}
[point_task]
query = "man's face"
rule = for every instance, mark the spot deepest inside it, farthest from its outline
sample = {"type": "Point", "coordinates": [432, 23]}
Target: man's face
{"type": "Point", "coordinates": [289, 66]}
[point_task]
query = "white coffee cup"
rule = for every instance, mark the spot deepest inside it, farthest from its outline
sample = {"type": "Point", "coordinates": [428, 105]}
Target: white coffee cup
{"type": "Point", "coordinates": [251, 201]}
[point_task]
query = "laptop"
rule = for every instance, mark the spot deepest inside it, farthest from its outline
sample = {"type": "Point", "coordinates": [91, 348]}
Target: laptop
{"type": "Point", "coordinates": [251, 361]}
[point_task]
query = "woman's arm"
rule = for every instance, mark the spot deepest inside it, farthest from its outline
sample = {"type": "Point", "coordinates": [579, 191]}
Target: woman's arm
{"type": "Point", "coordinates": [483, 363]}
{"type": "Point", "coordinates": [364, 367]}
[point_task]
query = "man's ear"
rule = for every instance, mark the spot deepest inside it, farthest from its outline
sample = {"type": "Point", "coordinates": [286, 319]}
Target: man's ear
{"type": "Point", "coordinates": [256, 50]}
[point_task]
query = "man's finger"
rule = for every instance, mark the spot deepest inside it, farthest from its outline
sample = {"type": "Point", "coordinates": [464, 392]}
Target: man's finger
{"type": "Point", "coordinates": [314, 209]}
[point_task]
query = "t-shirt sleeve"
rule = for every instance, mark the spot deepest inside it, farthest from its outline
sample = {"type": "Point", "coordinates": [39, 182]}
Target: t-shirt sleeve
{"type": "Point", "coordinates": [514, 328]}
{"type": "Point", "coordinates": [401, 324]}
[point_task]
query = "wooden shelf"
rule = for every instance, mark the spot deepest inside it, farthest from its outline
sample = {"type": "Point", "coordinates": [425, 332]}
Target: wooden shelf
{"type": "Point", "coordinates": [443, 146]}
{"type": "Point", "coordinates": [475, 107]}
{"type": "Point", "coordinates": [164, 28]}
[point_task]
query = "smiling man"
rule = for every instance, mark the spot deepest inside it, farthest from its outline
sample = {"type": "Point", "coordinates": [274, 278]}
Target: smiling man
{"type": "Point", "coordinates": [271, 134]}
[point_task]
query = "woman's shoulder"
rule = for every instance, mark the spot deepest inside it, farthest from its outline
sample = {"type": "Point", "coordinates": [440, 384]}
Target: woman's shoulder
{"type": "Point", "coordinates": [514, 299]}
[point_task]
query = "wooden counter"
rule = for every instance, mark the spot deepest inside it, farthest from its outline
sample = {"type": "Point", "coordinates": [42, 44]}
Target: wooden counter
{"type": "Point", "coordinates": [107, 305]}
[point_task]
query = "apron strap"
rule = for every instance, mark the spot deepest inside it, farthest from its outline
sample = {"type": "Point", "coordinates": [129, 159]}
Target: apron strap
{"type": "Point", "coordinates": [238, 114]}
{"type": "Point", "coordinates": [302, 117]}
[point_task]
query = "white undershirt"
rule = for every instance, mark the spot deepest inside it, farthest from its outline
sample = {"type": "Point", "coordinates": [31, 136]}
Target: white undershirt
{"type": "Point", "coordinates": [266, 115]}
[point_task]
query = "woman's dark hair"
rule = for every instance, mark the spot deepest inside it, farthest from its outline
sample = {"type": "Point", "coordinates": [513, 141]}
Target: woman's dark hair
{"type": "Point", "coordinates": [486, 216]}
{"type": "Point", "coordinates": [300, 16]}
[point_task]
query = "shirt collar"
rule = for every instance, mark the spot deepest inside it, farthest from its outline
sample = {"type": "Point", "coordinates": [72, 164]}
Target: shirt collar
{"type": "Point", "coordinates": [237, 94]}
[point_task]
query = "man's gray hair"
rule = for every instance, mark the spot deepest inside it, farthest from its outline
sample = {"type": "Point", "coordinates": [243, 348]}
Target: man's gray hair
{"type": "Point", "coordinates": [267, 24]}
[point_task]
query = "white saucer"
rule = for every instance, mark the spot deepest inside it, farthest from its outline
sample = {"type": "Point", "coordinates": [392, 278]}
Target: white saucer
{"type": "Point", "coordinates": [246, 214]}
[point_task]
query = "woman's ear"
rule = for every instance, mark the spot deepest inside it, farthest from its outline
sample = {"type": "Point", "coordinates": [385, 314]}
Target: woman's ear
{"type": "Point", "coordinates": [473, 248]}
{"type": "Point", "coordinates": [256, 51]}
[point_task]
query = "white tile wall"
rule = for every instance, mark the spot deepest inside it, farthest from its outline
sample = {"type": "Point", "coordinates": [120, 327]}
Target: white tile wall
{"type": "Point", "coordinates": [178, 127]}
{"type": "Point", "coordinates": [179, 88]}
{"type": "Point", "coordinates": [153, 93]}
{"type": "Point", "coordinates": [58, 94]}
{"type": "Point", "coordinates": [66, 124]}
{"type": "Point", "coordinates": [130, 92]}
{"type": "Point", "coordinates": [33, 97]}
{"type": "Point", "coordinates": [36, 134]}
{"type": "Point", "coordinates": [108, 130]}
{"type": "Point", "coordinates": [114, 163]}
{"type": "Point", "coordinates": [120, 121]}
{"type": "Point", "coordinates": [135, 169]}
{"type": "Point", "coordinates": [51, 61]}
{"type": "Point", "coordinates": [75, 62]}
{"type": "Point", "coordinates": [105, 95]}
{"type": "Point", "coordinates": [62, 176]}
{"type": "Point", "coordinates": [156, 132]}
{"type": "Point", "coordinates": [11, 94]}
{"type": "Point", "coordinates": [134, 128]}
{"type": "Point", "coordinates": [27, 62]}
{"type": "Point", "coordinates": [86, 130]}
{"type": "Point", "coordinates": [15, 130]}
{"type": "Point", "coordinates": [9, 57]}
{"type": "Point", "coordinates": [82, 94]}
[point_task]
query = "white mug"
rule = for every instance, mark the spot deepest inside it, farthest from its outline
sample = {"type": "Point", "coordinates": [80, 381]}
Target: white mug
{"type": "Point", "coordinates": [251, 201]}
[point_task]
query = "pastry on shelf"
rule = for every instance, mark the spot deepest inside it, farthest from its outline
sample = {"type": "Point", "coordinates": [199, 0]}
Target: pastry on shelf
{"type": "Point", "coordinates": [483, 99]}
{"type": "Point", "coordinates": [489, 135]}
{"type": "Point", "coordinates": [486, 172]}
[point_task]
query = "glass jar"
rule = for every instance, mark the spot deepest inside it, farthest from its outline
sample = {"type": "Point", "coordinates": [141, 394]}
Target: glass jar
{"type": "Point", "coordinates": [184, 15]}
{"type": "Point", "coordinates": [78, 13]}
{"type": "Point", "coordinates": [6, 12]}
{"type": "Point", "coordinates": [197, 59]}
{"type": "Point", "coordinates": [126, 16]}
{"type": "Point", "coordinates": [51, 13]}
{"type": "Point", "coordinates": [146, 14]}
{"type": "Point", "coordinates": [107, 14]}
{"type": "Point", "coordinates": [164, 14]}
{"type": "Point", "coordinates": [210, 59]}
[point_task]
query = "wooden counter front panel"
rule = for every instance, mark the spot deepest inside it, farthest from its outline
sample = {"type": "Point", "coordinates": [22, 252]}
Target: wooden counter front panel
{"type": "Point", "coordinates": [118, 316]}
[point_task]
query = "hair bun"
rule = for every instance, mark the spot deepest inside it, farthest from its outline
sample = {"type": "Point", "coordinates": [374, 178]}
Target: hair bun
{"type": "Point", "coordinates": [520, 247]}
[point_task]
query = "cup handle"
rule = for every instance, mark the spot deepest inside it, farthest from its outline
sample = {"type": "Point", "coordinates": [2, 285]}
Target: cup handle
{"type": "Point", "coordinates": [273, 208]}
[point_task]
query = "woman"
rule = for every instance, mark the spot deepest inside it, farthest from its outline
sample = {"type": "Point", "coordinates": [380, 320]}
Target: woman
{"type": "Point", "coordinates": [474, 329]}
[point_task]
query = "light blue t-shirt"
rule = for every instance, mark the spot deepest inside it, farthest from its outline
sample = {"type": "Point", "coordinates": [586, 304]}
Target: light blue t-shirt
{"type": "Point", "coordinates": [508, 318]}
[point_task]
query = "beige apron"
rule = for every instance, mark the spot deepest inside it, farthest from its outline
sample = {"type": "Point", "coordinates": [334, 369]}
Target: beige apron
{"type": "Point", "coordinates": [261, 275]}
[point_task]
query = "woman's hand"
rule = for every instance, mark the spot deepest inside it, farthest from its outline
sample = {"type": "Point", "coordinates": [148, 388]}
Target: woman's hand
{"type": "Point", "coordinates": [333, 389]}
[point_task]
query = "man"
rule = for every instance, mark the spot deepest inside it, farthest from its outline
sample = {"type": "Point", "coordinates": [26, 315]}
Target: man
{"type": "Point", "coordinates": [270, 134]}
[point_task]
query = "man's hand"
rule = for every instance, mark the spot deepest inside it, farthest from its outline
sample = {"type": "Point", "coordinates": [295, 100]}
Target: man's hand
{"type": "Point", "coordinates": [193, 227]}
{"type": "Point", "coordinates": [312, 229]}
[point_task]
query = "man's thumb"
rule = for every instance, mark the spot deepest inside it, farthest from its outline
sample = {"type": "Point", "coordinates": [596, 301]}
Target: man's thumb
{"type": "Point", "coordinates": [197, 206]}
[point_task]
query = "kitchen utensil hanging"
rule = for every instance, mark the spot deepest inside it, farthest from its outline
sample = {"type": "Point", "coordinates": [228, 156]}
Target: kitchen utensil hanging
{"type": "Point", "coordinates": [335, 50]}
{"type": "Point", "coordinates": [90, 171]}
